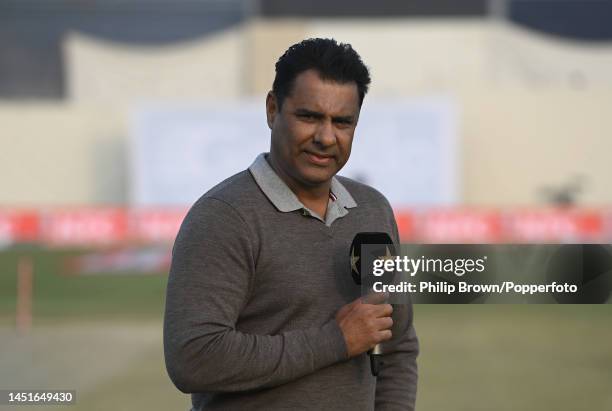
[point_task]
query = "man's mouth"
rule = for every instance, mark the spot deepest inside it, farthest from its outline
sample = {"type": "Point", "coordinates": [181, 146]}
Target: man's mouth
{"type": "Point", "coordinates": [319, 159]}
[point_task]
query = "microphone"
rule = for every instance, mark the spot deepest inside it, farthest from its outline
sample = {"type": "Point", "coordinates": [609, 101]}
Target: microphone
{"type": "Point", "coordinates": [356, 257]}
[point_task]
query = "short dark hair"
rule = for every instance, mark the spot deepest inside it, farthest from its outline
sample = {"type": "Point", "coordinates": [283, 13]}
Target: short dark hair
{"type": "Point", "coordinates": [333, 61]}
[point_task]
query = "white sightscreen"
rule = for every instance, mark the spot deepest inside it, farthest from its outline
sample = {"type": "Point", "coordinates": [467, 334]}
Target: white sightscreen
{"type": "Point", "coordinates": [406, 148]}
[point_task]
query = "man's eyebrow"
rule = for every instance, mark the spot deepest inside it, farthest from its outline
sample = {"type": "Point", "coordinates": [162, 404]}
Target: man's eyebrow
{"type": "Point", "coordinates": [306, 112]}
{"type": "Point", "coordinates": [316, 114]}
{"type": "Point", "coordinates": [344, 119]}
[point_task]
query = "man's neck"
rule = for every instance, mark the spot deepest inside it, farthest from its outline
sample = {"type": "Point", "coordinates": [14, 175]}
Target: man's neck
{"type": "Point", "coordinates": [314, 197]}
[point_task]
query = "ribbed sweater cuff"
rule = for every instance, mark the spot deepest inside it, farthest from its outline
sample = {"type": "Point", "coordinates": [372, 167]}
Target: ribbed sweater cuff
{"type": "Point", "coordinates": [330, 344]}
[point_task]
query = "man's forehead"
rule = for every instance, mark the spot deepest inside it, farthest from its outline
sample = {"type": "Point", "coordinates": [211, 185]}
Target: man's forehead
{"type": "Point", "coordinates": [313, 92]}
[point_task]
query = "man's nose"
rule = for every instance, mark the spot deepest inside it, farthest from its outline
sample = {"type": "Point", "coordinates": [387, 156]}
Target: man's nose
{"type": "Point", "coordinates": [325, 135]}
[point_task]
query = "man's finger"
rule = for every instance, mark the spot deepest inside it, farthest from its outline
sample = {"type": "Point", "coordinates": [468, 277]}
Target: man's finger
{"type": "Point", "coordinates": [375, 298]}
{"type": "Point", "coordinates": [383, 310]}
{"type": "Point", "coordinates": [384, 323]}
{"type": "Point", "coordinates": [384, 335]}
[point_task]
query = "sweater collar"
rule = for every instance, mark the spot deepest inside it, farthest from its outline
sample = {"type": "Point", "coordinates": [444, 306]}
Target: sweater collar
{"type": "Point", "coordinates": [281, 195]}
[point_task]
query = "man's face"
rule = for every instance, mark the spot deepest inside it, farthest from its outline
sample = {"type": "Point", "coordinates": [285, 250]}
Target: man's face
{"type": "Point", "coordinates": [313, 132]}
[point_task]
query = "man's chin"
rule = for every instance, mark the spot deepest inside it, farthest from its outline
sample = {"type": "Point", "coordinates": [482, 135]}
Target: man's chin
{"type": "Point", "coordinates": [317, 177]}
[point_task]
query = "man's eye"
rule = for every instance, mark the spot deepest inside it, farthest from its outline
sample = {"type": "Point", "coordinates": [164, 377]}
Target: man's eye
{"type": "Point", "coordinates": [307, 116]}
{"type": "Point", "coordinates": [344, 123]}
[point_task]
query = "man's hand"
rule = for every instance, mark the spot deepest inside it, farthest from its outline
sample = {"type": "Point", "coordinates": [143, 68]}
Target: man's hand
{"type": "Point", "coordinates": [365, 323]}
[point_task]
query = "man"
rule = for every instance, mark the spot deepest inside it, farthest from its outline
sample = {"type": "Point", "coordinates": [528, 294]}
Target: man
{"type": "Point", "coordinates": [261, 310]}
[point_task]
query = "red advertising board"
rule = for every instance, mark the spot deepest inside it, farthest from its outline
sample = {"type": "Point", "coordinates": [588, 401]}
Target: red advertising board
{"type": "Point", "coordinates": [19, 226]}
{"type": "Point", "coordinates": [89, 226]}
{"type": "Point", "coordinates": [93, 226]}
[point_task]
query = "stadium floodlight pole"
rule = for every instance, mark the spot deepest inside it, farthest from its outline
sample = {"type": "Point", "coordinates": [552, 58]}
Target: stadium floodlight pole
{"type": "Point", "coordinates": [498, 9]}
{"type": "Point", "coordinates": [497, 12]}
{"type": "Point", "coordinates": [25, 279]}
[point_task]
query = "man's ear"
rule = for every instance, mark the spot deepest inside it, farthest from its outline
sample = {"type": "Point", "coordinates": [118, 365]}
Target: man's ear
{"type": "Point", "coordinates": [271, 108]}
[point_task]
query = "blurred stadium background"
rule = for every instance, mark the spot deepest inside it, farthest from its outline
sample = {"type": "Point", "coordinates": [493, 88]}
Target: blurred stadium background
{"type": "Point", "coordinates": [116, 114]}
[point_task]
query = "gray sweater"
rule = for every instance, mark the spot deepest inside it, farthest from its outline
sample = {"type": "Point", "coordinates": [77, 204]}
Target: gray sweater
{"type": "Point", "coordinates": [251, 299]}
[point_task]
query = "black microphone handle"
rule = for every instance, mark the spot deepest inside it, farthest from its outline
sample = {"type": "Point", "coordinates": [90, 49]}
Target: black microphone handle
{"type": "Point", "coordinates": [375, 359]}
{"type": "Point", "coordinates": [375, 363]}
{"type": "Point", "coordinates": [370, 238]}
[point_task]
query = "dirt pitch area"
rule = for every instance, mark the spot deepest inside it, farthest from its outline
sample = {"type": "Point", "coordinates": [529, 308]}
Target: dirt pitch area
{"type": "Point", "coordinates": [474, 357]}
{"type": "Point", "coordinates": [111, 366]}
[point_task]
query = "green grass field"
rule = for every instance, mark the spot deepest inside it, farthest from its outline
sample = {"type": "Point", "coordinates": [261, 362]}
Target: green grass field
{"type": "Point", "coordinates": [101, 335]}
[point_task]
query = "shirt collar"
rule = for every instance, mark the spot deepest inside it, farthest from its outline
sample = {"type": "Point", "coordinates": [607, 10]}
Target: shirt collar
{"type": "Point", "coordinates": [281, 195]}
